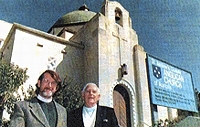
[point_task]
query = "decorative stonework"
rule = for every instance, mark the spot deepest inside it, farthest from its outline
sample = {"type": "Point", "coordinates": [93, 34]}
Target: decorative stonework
{"type": "Point", "coordinates": [130, 89]}
{"type": "Point", "coordinates": [51, 64]}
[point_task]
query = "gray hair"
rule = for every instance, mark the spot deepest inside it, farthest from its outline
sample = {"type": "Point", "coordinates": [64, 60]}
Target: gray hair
{"type": "Point", "coordinates": [85, 87]}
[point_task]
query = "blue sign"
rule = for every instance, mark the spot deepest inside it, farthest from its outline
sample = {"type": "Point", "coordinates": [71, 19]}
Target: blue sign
{"type": "Point", "coordinates": [170, 86]}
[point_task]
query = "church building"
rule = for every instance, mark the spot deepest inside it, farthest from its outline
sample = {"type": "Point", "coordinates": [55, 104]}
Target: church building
{"type": "Point", "coordinates": [89, 47]}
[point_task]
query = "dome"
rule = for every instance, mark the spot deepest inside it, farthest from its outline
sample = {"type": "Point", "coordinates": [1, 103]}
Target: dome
{"type": "Point", "coordinates": [79, 16]}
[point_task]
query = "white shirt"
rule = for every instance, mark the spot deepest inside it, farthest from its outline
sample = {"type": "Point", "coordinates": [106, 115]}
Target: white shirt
{"type": "Point", "coordinates": [89, 116]}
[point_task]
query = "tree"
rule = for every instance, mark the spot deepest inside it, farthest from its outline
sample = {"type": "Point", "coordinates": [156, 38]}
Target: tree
{"type": "Point", "coordinates": [11, 78]}
{"type": "Point", "coordinates": [70, 94]}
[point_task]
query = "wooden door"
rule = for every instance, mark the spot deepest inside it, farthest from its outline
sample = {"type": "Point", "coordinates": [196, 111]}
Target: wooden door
{"type": "Point", "coordinates": [122, 106]}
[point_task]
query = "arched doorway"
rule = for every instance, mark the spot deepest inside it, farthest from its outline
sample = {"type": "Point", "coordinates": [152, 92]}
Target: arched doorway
{"type": "Point", "coordinates": [121, 101]}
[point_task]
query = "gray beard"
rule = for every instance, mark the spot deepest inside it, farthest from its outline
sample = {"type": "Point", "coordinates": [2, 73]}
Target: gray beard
{"type": "Point", "coordinates": [47, 94]}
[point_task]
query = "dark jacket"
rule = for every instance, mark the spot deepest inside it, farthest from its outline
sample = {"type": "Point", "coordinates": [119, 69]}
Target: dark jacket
{"type": "Point", "coordinates": [105, 117]}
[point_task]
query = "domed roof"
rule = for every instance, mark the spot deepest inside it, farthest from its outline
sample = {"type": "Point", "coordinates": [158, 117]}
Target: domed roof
{"type": "Point", "coordinates": [78, 16]}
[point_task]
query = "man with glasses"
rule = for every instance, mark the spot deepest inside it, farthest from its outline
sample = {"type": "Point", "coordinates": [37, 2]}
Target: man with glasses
{"type": "Point", "coordinates": [42, 110]}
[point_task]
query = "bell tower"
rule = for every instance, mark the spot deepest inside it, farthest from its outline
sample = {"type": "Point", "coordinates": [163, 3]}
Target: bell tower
{"type": "Point", "coordinates": [116, 43]}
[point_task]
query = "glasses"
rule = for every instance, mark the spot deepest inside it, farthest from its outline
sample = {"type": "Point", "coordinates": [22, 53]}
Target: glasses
{"type": "Point", "coordinates": [91, 91]}
{"type": "Point", "coordinates": [54, 83]}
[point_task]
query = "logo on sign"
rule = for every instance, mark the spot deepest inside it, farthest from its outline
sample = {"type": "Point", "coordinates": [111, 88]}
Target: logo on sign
{"type": "Point", "coordinates": [156, 71]}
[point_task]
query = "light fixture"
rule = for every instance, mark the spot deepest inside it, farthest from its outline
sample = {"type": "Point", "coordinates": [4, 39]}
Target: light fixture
{"type": "Point", "coordinates": [124, 69]}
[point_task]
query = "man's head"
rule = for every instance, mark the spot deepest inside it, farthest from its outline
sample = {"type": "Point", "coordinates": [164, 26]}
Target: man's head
{"type": "Point", "coordinates": [48, 83]}
{"type": "Point", "coordinates": [90, 94]}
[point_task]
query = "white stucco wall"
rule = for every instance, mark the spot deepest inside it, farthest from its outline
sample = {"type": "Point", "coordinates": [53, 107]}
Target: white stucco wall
{"type": "Point", "coordinates": [35, 53]}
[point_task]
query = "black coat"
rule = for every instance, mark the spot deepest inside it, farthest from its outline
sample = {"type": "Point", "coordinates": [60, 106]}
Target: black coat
{"type": "Point", "coordinates": [105, 117]}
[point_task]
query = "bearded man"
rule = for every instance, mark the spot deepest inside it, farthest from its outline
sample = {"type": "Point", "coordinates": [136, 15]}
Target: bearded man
{"type": "Point", "coordinates": [41, 110]}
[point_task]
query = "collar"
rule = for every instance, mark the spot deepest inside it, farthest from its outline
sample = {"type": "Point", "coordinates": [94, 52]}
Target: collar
{"type": "Point", "coordinates": [44, 99]}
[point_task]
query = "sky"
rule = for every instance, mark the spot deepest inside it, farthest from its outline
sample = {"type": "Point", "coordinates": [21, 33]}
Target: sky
{"type": "Point", "coordinates": [167, 29]}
